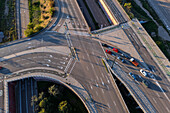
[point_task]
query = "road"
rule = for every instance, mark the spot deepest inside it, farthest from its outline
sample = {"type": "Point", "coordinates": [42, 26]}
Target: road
{"type": "Point", "coordinates": [91, 73]}
{"type": "Point", "coordinates": [162, 9]}
{"type": "Point", "coordinates": [97, 13]}
{"type": "Point", "coordinates": [23, 16]}
{"type": "Point", "coordinates": [159, 87]}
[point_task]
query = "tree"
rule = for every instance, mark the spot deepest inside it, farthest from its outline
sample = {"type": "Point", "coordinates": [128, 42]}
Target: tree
{"type": "Point", "coordinates": [42, 111]}
{"type": "Point", "coordinates": [43, 102]}
{"type": "Point", "coordinates": [63, 108]}
{"type": "Point", "coordinates": [53, 90]}
{"type": "Point", "coordinates": [30, 25]}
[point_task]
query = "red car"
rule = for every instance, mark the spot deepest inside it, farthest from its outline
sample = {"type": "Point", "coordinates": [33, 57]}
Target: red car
{"type": "Point", "coordinates": [0, 67]}
{"type": "Point", "coordinates": [109, 52]}
{"type": "Point", "coordinates": [115, 50]}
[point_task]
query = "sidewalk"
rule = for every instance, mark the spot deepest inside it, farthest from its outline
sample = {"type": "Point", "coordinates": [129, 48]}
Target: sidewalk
{"type": "Point", "coordinates": [151, 46]}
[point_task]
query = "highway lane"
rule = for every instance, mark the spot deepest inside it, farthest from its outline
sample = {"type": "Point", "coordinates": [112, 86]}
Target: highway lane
{"type": "Point", "coordinates": [162, 97]}
{"type": "Point", "coordinates": [91, 73]}
{"type": "Point", "coordinates": [76, 18]}
{"type": "Point", "coordinates": [162, 9]}
{"type": "Point", "coordinates": [97, 13]}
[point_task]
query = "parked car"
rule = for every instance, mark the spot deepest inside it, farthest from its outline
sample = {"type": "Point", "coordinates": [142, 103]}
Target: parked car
{"type": "Point", "coordinates": [121, 59]}
{"type": "Point", "coordinates": [115, 50]}
{"type": "Point", "coordinates": [132, 75]}
{"type": "Point", "coordinates": [0, 67]}
{"type": "Point", "coordinates": [143, 72]}
{"type": "Point", "coordinates": [134, 62]}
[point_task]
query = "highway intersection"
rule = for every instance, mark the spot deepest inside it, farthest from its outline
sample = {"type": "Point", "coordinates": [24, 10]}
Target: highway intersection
{"type": "Point", "coordinates": [87, 67]}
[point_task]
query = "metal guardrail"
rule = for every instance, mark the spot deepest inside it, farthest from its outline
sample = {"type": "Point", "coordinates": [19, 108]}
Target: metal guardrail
{"type": "Point", "coordinates": [152, 50]}
{"type": "Point", "coordinates": [138, 95]}
{"type": "Point", "coordinates": [105, 29]}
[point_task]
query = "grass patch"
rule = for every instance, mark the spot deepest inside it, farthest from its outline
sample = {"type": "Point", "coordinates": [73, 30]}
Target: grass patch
{"type": "Point", "coordinates": [8, 21]}
{"type": "Point", "coordinates": [40, 13]}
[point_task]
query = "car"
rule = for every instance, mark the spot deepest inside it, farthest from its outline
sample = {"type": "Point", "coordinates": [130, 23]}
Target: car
{"type": "Point", "coordinates": [132, 75]}
{"type": "Point", "coordinates": [104, 45]}
{"type": "Point", "coordinates": [121, 59]}
{"type": "Point", "coordinates": [0, 67]}
{"type": "Point", "coordinates": [145, 83]}
{"type": "Point", "coordinates": [115, 50]}
{"type": "Point", "coordinates": [109, 52]}
{"type": "Point", "coordinates": [143, 72]}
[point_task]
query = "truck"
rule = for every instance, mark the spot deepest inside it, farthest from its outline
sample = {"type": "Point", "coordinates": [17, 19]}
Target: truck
{"type": "Point", "coordinates": [134, 62]}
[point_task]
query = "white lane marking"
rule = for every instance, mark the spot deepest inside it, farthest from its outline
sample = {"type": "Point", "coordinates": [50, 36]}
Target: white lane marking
{"type": "Point", "coordinates": [102, 91]}
{"type": "Point", "coordinates": [91, 87]}
{"type": "Point", "coordinates": [72, 67]}
{"type": "Point", "coordinates": [167, 110]}
{"type": "Point", "coordinates": [97, 93]}
{"type": "Point", "coordinates": [97, 77]}
{"type": "Point", "coordinates": [154, 100]}
{"type": "Point", "coordinates": [62, 62]}
{"type": "Point", "coordinates": [162, 90]}
{"type": "Point", "coordinates": [93, 53]}
{"type": "Point", "coordinates": [108, 105]}
{"type": "Point", "coordinates": [107, 87]}
{"type": "Point", "coordinates": [87, 54]}
{"type": "Point", "coordinates": [103, 75]}
{"type": "Point", "coordinates": [83, 57]}
{"type": "Point", "coordinates": [87, 68]}
{"type": "Point", "coordinates": [103, 49]}
{"type": "Point", "coordinates": [92, 66]}
{"type": "Point", "coordinates": [114, 103]}
{"type": "Point", "coordinates": [69, 62]}
{"type": "Point", "coordinates": [168, 89]}
{"type": "Point", "coordinates": [158, 95]}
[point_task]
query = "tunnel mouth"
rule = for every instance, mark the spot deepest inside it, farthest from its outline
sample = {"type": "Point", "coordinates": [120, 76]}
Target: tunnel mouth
{"type": "Point", "coordinates": [65, 96]}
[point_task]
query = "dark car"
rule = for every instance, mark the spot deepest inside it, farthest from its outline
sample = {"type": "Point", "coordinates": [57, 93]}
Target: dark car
{"type": "Point", "coordinates": [104, 45]}
{"type": "Point", "coordinates": [132, 75]}
{"type": "Point", "coordinates": [121, 59]}
{"type": "Point", "coordinates": [0, 67]}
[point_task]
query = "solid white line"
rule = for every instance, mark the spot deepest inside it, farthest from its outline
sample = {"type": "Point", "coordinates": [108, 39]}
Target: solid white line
{"type": "Point", "coordinates": [96, 93]}
{"type": "Point", "coordinates": [102, 91]}
{"type": "Point", "coordinates": [154, 100]}
{"type": "Point", "coordinates": [92, 66]}
{"type": "Point", "coordinates": [69, 62]}
{"type": "Point", "coordinates": [72, 67]}
{"type": "Point", "coordinates": [167, 109]}
{"type": "Point", "coordinates": [87, 68]}
{"type": "Point", "coordinates": [114, 103]}
{"type": "Point", "coordinates": [103, 49]}
{"type": "Point", "coordinates": [162, 91]}
{"type": "Point", "coordinates": [91, 87]}
{"type": "Point", "coordinates": [108, 105]}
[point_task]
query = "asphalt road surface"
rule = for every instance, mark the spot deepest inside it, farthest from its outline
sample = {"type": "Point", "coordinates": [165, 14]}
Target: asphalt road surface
{"type": "Point", "coordinates": [97, 13]}
{"type": "Point", "coordinates": [162, 9]}
{"type": "Point", "coordinates": [91, 73]}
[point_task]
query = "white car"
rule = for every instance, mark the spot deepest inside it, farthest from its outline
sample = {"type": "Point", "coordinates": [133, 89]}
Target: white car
{"type": "Point", "coordinates": [143, 72]}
